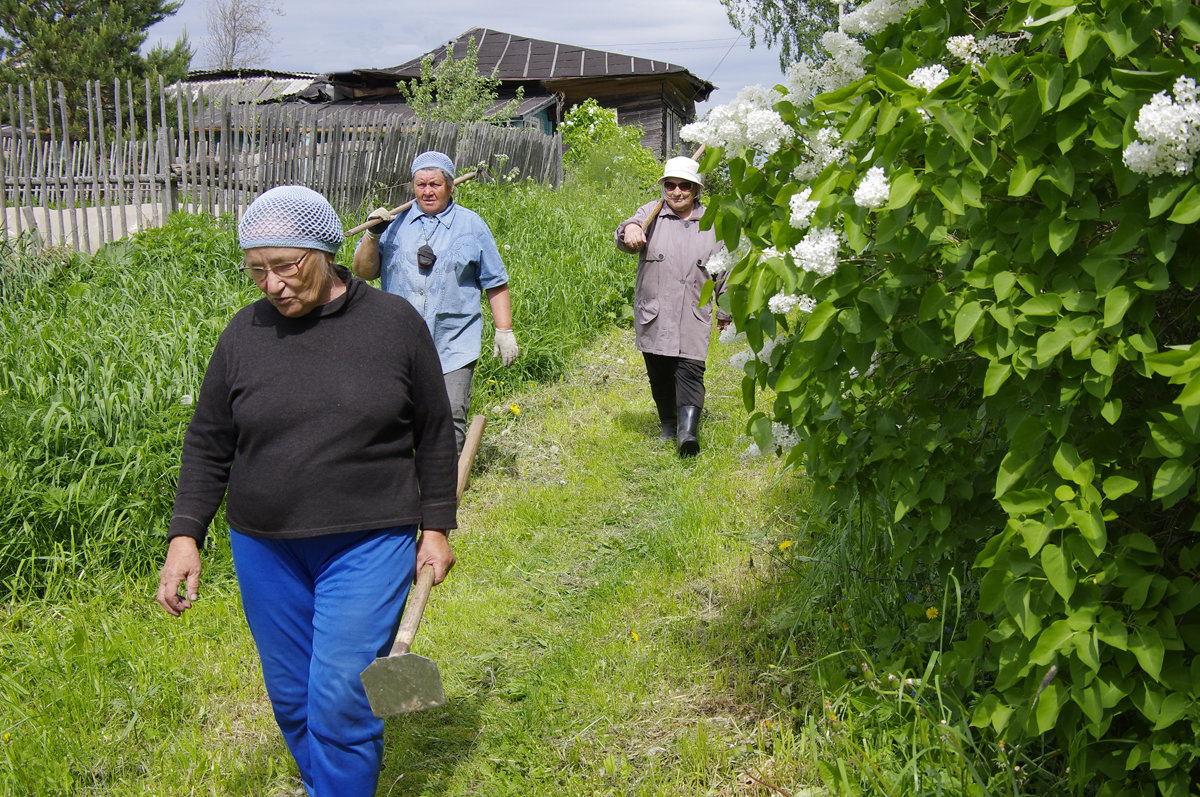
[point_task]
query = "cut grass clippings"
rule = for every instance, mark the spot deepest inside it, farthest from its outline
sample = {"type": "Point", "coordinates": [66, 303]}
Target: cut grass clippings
{"type": "Point", "coordinates": [602, 633]}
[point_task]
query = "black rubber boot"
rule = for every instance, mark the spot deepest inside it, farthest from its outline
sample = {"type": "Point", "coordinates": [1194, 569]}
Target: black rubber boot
{"type": "Point", "coordinates": [669, 429]}
{"type": "Point", "coordinates": [689, 424]}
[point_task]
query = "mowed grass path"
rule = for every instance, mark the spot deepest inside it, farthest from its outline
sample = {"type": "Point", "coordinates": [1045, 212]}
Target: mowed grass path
{"type": "Point", "coordinates": [605, 630]}
{"type": "Point", "coordinates": [596, 636]}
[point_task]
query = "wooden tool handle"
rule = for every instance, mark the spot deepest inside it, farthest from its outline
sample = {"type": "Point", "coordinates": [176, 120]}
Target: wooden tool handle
{"type": "Point", "coordinates": [402, 208]}
{"type": "Point", "coordinates": [419, 595]}
{"type": "Point", "coordinates": [470, 449]}
{"type": "Point", "coordinates": [417, 598]}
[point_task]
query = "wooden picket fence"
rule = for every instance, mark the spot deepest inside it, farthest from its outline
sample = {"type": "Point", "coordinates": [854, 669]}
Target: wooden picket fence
{"type": "Point", "coordinates": [150, 151]}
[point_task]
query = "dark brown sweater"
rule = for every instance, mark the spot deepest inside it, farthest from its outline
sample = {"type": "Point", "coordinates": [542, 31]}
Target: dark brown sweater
{"type": "Point", "coordinates": [333, 422]}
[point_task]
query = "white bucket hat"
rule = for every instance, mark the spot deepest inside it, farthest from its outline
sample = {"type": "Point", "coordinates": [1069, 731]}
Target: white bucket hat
{"type": "Point", "coordinates": [683, 169]}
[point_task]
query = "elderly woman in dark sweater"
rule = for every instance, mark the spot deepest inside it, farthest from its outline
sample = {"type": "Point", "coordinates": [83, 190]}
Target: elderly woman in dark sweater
{"type": "Point", "coordinates": [336, 457]}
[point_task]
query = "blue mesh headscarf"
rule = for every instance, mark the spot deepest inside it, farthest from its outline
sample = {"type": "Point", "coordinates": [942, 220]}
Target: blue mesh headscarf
{"type": "Point", "coordinates": [291, 216]}
{"type": "Point", "coordinates": [433, 160]}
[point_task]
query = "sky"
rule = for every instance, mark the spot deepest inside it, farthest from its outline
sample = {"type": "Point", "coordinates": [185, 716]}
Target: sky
{"type": "Point", "coordinates": [324, 36]}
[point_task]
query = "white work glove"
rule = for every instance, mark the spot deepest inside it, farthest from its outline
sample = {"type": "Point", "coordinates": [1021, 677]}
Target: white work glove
{"type": "Point", "coordinates": [385, 218]}
{"type": "Point", "coordinates": [505, 347]}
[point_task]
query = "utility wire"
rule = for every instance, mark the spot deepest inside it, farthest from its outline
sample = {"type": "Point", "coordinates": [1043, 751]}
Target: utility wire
{"type": "Point", "coordinates": [726, 55]}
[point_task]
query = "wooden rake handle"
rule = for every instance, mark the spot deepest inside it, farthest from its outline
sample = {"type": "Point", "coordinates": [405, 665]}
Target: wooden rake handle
{"type": "Point", "coordinates": [419, 595]}
{"type": "Point", "coordinates": [402, 208]}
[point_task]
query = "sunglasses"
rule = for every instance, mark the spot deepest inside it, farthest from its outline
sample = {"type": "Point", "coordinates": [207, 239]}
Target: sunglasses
{"type": "Point", "coordinates": [671, 185]}
{"type": "Point", "coordinates": [259, 273]}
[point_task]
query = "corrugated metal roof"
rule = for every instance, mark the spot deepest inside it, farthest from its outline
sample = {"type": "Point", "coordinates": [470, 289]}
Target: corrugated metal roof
{"type": "Point", "coordinates": [522, 58]}
{"type": "Point", "coordinates": [247, 86]}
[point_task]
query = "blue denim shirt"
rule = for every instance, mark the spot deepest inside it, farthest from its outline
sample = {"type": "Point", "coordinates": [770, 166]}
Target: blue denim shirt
{"type": "Point", "coordinates": [448, 294]}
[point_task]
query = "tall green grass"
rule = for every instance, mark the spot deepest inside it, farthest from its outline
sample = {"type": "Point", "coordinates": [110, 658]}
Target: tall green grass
{"type": "Point", "coordinates": [100, 358]}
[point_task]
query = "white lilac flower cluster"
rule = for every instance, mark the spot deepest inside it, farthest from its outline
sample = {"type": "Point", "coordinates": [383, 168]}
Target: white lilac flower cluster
{"type": "Point", "coordinates": [825, 148]}
{"type": "Point", "coordinates": [844, 66]}
{"type": "Point", "coordinates": [730, 335]}
{"type": "Point", "coordinates": [853, 374]}
{"type": "Point", "coordinates": [818, 252]}
{"type": "Point", "coordinates": [747, 122]}
{"type": "Point", "coordinates": [802, 209]}
{"type": "Point", "coordinates": [782, 303]}
{"type": "Point", "coordinates": [720, 262]}
{"type": "Point", "coordinates": [976, 52]}
{"type": "Point", "coordinates": [1170, 132]}
{"type": "Point", "coordinates": [744, 356]}
{"type": "Point", "coordinates": [873, 191]}
{"type": "Point", "coordinates": [929, 77]}
{"type": "Point", "coordinates": [872, 17]}
{"type": "Point", "coordinates": [785, 437]}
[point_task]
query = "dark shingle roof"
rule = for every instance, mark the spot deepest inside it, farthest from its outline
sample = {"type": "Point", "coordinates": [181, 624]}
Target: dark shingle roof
{"type": "Point", "coordinates": [517, 58]}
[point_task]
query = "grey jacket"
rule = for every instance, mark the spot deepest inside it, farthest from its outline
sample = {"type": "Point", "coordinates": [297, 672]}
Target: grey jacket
{"type": "Point", "coordinates": [667, 318]}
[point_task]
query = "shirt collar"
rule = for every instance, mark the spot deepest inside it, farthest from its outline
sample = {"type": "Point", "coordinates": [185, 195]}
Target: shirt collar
{"type": "Point", "coordinates": [445, 218]}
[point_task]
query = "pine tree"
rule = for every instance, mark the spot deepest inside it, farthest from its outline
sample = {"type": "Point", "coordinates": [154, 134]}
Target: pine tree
{"type": "Point", "coordinates": [75, 41]}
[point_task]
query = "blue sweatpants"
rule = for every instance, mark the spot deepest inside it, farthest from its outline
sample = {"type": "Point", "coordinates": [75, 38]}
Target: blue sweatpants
{"type": "Point", "coordinates": [320, 610]}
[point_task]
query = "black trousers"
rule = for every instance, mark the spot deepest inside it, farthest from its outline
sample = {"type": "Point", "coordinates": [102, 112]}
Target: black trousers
{"type": "Point", "coordinates": [674, 382]}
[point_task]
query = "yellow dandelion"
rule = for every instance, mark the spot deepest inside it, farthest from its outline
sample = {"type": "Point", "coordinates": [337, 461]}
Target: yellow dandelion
{"type": "Point", "coordinates": [7, 736]}
{"type": "Point", "coordinates": [491, 381]}
{"type": "Point", "coordinates": [931, 612]}
{"type": "Point", "coordinates": [634, 635]}
{"type": "Point", "coordinates": [845, 626]}
{"type": "Point", "coordinates": [783, 546]}
{"type": "Point", "coordinates": [515, 409]}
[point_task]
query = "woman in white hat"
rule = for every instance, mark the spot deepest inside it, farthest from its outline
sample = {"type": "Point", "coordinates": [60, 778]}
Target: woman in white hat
{"type": "Point", "coordinates": [672, 330]}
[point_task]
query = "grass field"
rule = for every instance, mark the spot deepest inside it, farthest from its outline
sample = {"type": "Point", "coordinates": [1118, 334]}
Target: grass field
{"type": "Point", "coordinates": [603, 632]}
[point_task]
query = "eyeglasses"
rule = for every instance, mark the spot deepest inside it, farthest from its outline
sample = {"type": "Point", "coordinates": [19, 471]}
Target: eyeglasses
{"type": "Point", "coordinates": [671, 185]}
{"type": "Point", "coordinates": [259, 273]}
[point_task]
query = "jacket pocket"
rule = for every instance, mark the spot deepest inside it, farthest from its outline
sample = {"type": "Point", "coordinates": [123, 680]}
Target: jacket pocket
{"type": "Point", "coordinates": [647, 310]}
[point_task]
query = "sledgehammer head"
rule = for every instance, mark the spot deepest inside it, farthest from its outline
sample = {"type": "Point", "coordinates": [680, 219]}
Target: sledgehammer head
{"type": "Point", "coordinates": [402, 684]}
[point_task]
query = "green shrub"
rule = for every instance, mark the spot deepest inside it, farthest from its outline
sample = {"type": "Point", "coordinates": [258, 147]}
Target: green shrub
{"type": "Point", "coordinates": [599, 152]}
{"type": "Point", "coordinates": [1001, 361]}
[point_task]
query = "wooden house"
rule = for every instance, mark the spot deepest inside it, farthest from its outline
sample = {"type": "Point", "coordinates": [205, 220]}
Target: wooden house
{"type": "Point", "coordinates": [657, 96]}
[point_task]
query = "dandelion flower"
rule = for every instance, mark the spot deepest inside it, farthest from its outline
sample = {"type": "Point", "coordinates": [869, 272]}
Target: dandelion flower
{"type": "Point", "coordinates": [931, 612]}
{"type": "Point", "coordinates": [515, 409]}
{"type": "Point", "coordinates": [634, 636]}
{"type": "Point", "coordinates": [783, 546]}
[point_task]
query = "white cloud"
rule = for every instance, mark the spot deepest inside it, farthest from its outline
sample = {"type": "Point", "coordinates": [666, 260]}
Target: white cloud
{"type": "Point", "coordinates": [313, 37]}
